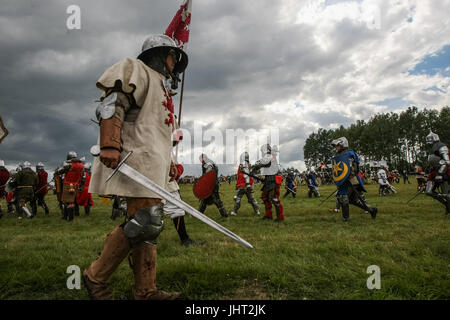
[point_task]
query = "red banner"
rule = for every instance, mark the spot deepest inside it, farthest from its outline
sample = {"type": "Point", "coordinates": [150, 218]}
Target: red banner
{"type": "Point", "coordinates": [178, 29]}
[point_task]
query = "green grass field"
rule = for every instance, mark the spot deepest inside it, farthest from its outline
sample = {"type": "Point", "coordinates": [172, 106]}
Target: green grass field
{"type": "Point", "coordinates": [311, 255]}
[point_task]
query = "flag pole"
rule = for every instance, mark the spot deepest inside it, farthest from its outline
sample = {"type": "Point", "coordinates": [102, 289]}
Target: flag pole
{"type": "Point", "coordinates": [181, 100]}
{"type": "Point", "coordinates": [179, 112]}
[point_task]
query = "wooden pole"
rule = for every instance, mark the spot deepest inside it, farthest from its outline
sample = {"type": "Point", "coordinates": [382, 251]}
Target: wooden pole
{"type": "Point", "coordinates": [181, 100]}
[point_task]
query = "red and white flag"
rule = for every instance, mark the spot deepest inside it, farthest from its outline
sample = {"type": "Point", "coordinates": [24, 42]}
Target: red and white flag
{"type": "Point", "coordinates": [178, 29]}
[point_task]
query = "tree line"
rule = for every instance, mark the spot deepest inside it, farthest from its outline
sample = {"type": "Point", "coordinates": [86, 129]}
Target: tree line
{"type": "Point", "coordinates": [397, 138]}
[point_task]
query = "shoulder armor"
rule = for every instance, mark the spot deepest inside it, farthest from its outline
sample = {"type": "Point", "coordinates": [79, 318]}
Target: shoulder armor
{"type": "Point", "coordinates": [107, 107]}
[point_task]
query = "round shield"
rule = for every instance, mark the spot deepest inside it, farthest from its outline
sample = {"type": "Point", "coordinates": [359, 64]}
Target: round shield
{"type": "Point", "coordinates": [204, 186]}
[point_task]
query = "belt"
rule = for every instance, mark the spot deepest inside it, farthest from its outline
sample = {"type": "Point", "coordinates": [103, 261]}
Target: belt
{"type": "Point", "coordinates": [19, 187]}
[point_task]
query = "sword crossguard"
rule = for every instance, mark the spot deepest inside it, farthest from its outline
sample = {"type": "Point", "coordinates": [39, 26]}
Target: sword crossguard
{"type": "Point", "coordinates": [95, 151]}
{"type": "Point", "coordinates": [119, 165]}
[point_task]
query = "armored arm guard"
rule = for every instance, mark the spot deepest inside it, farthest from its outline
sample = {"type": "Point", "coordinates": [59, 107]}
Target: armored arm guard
{"type": "Point", "coordinates": [207, 167]}
{"type": "Point", "coordinates": [264, 162]}
{"type": "Point", "coordinates": [445, 161]}
{"type": "Point", "coordinates": [111, 114]}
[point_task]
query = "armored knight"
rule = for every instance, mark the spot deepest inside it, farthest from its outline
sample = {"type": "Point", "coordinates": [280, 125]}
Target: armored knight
{"type": "Point", "coordinates": [24, 183]}
{"type": "Point", "coordinates": [349, 182]}
{"type": "Point", "coordinates": [244, 185]}
{"type": "Point", "coordinates": [313, 185]}
{"type": "Point", "coordinates": [439, 161]}
{"type": "Point", "coordinates": [272, 181]}
{"type": "Point", "coordinates": [207, 166]}
{"type": "Point", "coordinates": [84, 198]}
{"type": "Point", "coordinates": [72, 170]}
{"type": "Point", "coordinates": [41, 188]}
{"type": "Point", "coordinates": [383, 182]}
{"type": "Point", "coordinates": [135, 114]}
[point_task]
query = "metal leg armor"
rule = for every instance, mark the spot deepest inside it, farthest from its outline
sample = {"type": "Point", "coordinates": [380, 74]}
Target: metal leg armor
{"type": "Point", "coordinates": [344, 203]}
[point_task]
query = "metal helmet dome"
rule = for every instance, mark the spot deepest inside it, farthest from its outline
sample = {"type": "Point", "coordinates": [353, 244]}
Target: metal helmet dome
{"type": "Point", "coordinates": [71, 155]}
{"type": "Point", "coordinates": [432, 138]}
{"type": "Point", "coordinates": [342, 141]}
{"type": "Point", "coordinates": [162, 41]}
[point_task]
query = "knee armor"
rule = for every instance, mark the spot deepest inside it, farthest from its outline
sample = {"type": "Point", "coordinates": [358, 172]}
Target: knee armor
{"type": "Point", "coordinates": [146, 225]}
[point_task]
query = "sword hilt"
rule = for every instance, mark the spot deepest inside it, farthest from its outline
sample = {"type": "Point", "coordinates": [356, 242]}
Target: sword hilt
{"type": "Point", "coordinates": [95, 151]}
{"type": "Point", "coordinates": [119, 165]}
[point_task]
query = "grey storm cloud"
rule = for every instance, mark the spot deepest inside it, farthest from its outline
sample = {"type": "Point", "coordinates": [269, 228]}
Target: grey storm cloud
{"type": "Point", "coordinates": [244, 56]}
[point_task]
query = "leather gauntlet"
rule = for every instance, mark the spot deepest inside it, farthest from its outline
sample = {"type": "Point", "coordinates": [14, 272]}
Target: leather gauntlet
{"type": "Point", "coordinates": [111, 134]}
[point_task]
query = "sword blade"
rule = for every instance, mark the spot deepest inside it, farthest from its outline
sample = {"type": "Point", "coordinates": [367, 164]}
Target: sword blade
{"type": "Point", "coordinates": [25, 209]}
{"type": "Point", "coordinates": [150, 185]}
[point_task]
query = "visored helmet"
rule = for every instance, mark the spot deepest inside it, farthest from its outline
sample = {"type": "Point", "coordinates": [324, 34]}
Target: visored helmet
{"type": "Point", "coordinates": [40, 166]}
{"type": "Point", "coordinates": [162, 41]}
{"type": "Point", "coordinates": [342, 141]}
{"type": "Point", "coordinates": [432, 138]}
{"type": "Point", "coordinates": [244, 158]}
{"type": "Point", "coordinates": [266, 149]}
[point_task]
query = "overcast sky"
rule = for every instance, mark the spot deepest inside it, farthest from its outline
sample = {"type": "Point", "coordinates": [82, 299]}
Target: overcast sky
{"type": "Point", "coordinates": [293, 65]}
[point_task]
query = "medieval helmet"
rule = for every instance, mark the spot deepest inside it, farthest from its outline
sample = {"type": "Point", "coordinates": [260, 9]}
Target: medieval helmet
{"type": "Point", "coordinates": [83, 159]}
{"type": "Point", "coordinates": [266, 149]}
{"type": "Point", "coordinates": [244, 158]}
{"type": "Point", "coordinates": [71, 155]}
{"type": "Point", "coordinates": [162, 41]}
{"type": "Point", "coordinates": [2, 163]}
{"type": "Point", "coordinates": [26, 164]}
{"type": "Point", "coordinates": [40, 166]}
{"type": "Point", "coordinates": [275, 150]}
{"type": "Point", "coordinates": [432, 138]}
{"type": "Point", "coordinates": [342, 141]}
{"type": "Point", "coordinates": [87, 165]}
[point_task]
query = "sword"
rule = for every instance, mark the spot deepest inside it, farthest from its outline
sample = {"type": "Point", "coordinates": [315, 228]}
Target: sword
{"type": "Point", "coordinates": [417, 193]}
{"type": "Point", "coordinates": [136, 176]}
{"type": "Point", "coordinates": [253, 176]}
{"type": "Point", "coordinates": [25, 209]}
{"type": "Point", "coordinates": [294, 192]}
{"type": "Point", "coordinates": [327, 198]}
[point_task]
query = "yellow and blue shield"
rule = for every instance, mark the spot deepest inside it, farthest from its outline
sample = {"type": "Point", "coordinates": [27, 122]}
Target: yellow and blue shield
{"type": "Point", "coordinates": [341, 169]}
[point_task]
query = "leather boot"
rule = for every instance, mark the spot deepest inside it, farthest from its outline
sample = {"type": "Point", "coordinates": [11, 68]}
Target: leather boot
{"type": "Point", "coordinates": [97, 275]}
{"type": "Point", "coordinates": [143, 262]}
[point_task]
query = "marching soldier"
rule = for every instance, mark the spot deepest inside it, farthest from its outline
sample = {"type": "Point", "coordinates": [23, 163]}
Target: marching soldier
{"type": "Point", "coordinates": [41, 188]}
{"type": "Point", "coordinates": [24, 183]}
{"type": "Point", "coordinates": [272, 181]}
{"type": "Point", "coordinates": [244, 185]}
{"type": "Point", "coordinates": [347, 179]}
{"type": "Point", "coordinates": [290, 185]}
{"type": "Point", "coordinates": [84, 198]}
{"type": "Point", "coordinates": [72, 170]}
{"type": "Point", "coordinates": [135, 114]}
{"type": "Point", "coordinates": [439, 160]}
{"type": "Point", "coordinates": [207, 166]}
{"type": "Point", "coordinates": [313, 186]}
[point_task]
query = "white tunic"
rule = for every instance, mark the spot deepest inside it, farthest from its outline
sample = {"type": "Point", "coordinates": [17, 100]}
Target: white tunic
{"type": "Point", "coordinates": [149, 136]}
